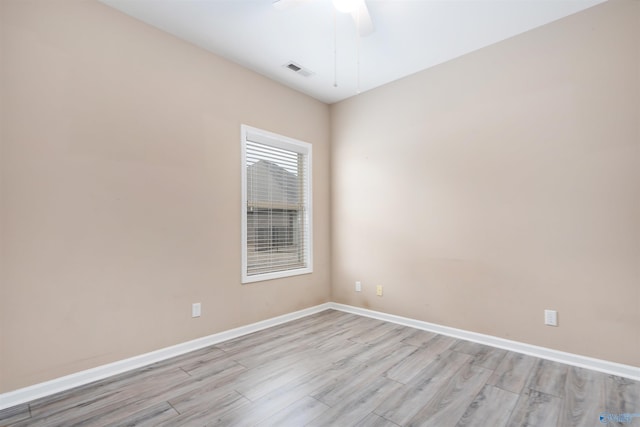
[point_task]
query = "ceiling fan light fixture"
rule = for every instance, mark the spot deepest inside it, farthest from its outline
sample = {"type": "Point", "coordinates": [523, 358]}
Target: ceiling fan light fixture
{"type": "Point", "coordinates": [346, 6]}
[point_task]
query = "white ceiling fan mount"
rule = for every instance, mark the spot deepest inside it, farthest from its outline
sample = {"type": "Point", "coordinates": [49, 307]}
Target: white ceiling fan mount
{"type": "Point", "coordinates": [356, 8]}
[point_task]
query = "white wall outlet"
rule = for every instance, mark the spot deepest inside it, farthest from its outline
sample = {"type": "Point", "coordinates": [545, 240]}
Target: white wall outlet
{"type": "Point", "coordinates": [196, 309]}
{"type": "Point", "coordinates": [551, 317]}
{"type": "Point", "coordinates": [379, 290]}
{"type": "Point", "coordinates": [358, 287]}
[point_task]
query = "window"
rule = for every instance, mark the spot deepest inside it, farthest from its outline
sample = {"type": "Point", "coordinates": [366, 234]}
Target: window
{"type": "Point", "coordinates": [276, 206]}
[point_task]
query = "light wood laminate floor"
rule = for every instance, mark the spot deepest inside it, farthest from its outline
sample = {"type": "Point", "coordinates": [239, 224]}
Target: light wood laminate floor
{"type": "Point", "coordinates": [339, 369]}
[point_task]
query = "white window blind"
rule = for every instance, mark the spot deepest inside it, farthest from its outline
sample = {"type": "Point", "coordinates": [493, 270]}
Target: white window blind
{"type": "Point", "coordinates": [276, 206]}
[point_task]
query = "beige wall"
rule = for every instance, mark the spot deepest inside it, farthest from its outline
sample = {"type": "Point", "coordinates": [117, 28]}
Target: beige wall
{"type": "Point", "coordinates": [486, 189]}
{"type": "Point", "coordinates": [120, 190]}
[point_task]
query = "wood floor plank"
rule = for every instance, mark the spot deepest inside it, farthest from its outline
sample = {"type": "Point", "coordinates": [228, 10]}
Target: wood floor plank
{"type": "Point", "coordinates": [297, 414]}
{"type": "Point", "coordinates": [86, 394]}
{"type": "Point", "coordinates": [513, 372]}
{"type": "Point", "coordinates": [373, 420]}
{"type": "Point", "coordinates": [144, 395]}
{"type": "Point", "coordinates": [199, 398]}
{"type": "Point", "coordinates": [393, 335]}
{"type": "Point", "coordinates": [358, 405]}
{"type": "Point", "coordinates": [278, 399]}
{"type": "Point", "coordinates": [261, 409]}
{"type": "Point", "coordinates": [438, 345]}
{"type": "Point", "coordinates": [95, 406]}
{"type": "Point", "coordinates": [449, 403]}
{"type": "Point", "coordinates": [315, 323]}
{"type": "Point", "coordinates": [536, 409]}
{"type": "Point", "coordinates": [371, 335]}
{"type": "Point", "coordinates": [138, 399]}
{"type": "Point", "coordinates": [273, 343]}
{"type": "Point", "coordinates": [622, 395]}
{"type": "Point", "coordinates": [148, 417]}
{"type": "Point", "coordinates": [255, 359]}
{"type": "Point", "coordinates": [322, 378]}
{"type": "Point", "coordinates": [213, 368]}
{"type": "Point", "coordinates": [483, 355]}
{"type": "Point", "coordinates": [203, 358]}
{"type": "Point", "coordinates": [381, 347]}
{"type": "Point", "coordinates": [410, 366]}
{"type": "Point", "coordinates": [248, 341]}
{"type": "Point", "coordinates": [270, 376]}
{"type": "Point", "coordinates": [321, 319]}
{"type": "Point", "coordinates": [584, 397]}
{"type": "Point", "coordinates": [491, 407]}
{"type": "Point", "coordinates": [361, 376]}
{"type": "Point", "coordinates": [338, 349]}
{"type": "Point", "coordinates": [215, 377]}
{"type": "Point", "coordinates": [491, 358]}
{"type": "Point", "coordinates": [358, 326]}
{"type": "Point", "coordinates": [318, 335]}
{"type": "Point", "coordinates": [14, 414]}
{"type": "Point", "coordinates": [346, 328]}
{"type": "Point", "coordinates": [410, 399]}
{"type": "Point", "coordinates": [419, 338]}
{"type": "Point", "coordinates": [210, 413]}
{"type": "Point", "coordinates": [548, 377]}
{"type": "Point", "coordinates": [192, 359]}
{"type": "Point", "coordinates": [303, 332]}
{"type": "Point", "coordinates": [254, 387]}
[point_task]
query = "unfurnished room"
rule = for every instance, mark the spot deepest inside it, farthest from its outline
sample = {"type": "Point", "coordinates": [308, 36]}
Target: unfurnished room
{"type": "Point", "coordinates": [320, 213]}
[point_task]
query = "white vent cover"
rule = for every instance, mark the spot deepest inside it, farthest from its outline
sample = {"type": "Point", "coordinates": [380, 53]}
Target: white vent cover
{"type": "Point", "coordinates": [298, 69]}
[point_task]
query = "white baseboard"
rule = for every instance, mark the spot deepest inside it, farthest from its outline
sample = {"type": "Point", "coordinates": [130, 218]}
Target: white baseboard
{"type": "Point", "coordinates": [36, 391]}
{"type": "Point", "coordinates": [67, 382]}
{"type": "Point", "coordinates": [627, 371]}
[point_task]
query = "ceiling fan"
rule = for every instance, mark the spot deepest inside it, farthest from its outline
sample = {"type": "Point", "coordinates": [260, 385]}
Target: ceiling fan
{"type": "Point", "coordinates": [357, 8]}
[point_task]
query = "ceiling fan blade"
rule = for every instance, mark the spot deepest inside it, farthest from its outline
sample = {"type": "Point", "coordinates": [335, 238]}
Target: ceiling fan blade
{"type": "Point", "coordinates": [287, 4]}
{"type": "Point", "coordinates": [362, 19]}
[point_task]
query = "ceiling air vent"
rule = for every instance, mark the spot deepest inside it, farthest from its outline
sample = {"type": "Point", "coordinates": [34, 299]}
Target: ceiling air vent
{"type": "Point", "coordinates": [298, 69]}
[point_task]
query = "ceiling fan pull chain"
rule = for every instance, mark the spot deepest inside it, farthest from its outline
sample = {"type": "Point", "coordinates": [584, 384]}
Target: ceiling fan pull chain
{"type": "Point", "coordinates": [358, 53]}
{"type": "Point", "coordinates": [335, 49]}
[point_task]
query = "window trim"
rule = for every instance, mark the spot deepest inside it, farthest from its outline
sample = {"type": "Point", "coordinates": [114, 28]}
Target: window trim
{"type": "Point", "coordinates": [249, 133]}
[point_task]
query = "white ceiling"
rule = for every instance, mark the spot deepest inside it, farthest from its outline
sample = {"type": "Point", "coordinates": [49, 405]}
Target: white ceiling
{"type": "Point", "coordinates": [409, 36]}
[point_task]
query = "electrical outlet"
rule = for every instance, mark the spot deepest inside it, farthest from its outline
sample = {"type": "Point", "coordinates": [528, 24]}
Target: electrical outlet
{"type": "Point", "coordinates": [551, 317]}
{"type": "Point", "coordinates": [379, 290]}
{"type": "Point", "coordinates": [196, 309]}
{"type": "Point", "coordinates": [358, 287]}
